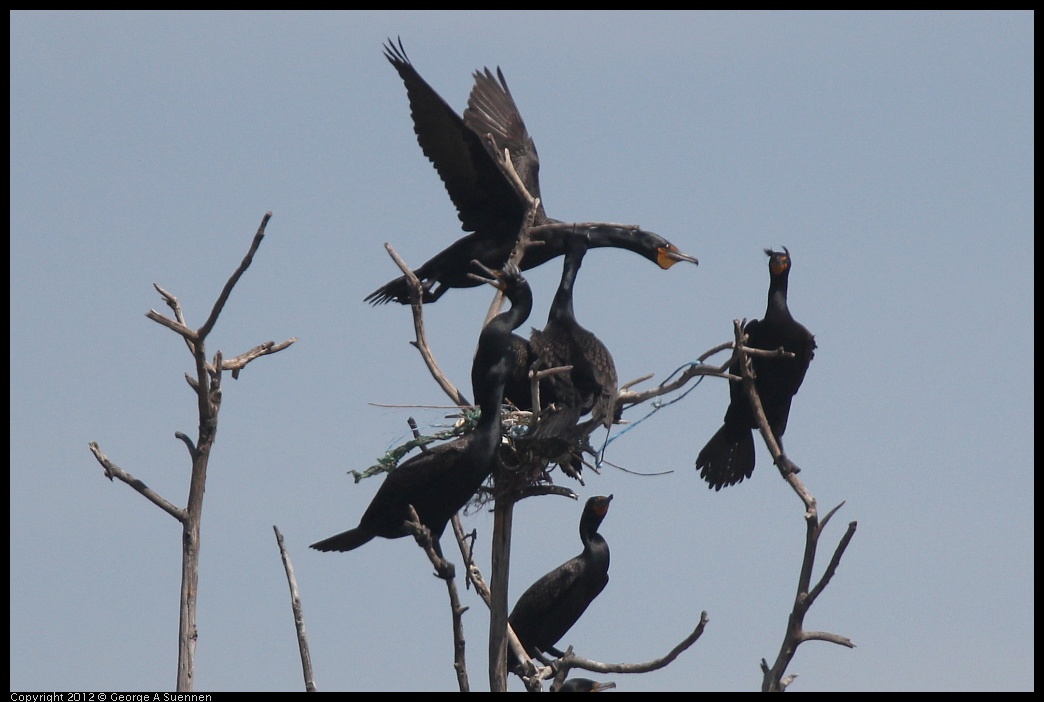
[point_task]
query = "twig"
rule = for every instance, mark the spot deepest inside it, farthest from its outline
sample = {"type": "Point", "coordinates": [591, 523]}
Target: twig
{"type": "Point", "coordinates": [219, 305]}
{"type": "Point", "coordinates": [696, 369]}
{"type": "Point", "coordinates": [445, 570]}
{"type": "Point", "coordinates": [421, 342]}
{"type": "Point", "coordinates": [269, 347]}
{"type": "Point", "coordinates": [573, 661]}
{"type": "Point", "coordinates": [474, 576]}
{"type": "Point", "coordinates": [522, 242]}
{"type": "Point", "coordinates": [114, 471]}
{"type": "Point", "coordinates": [295, 604]}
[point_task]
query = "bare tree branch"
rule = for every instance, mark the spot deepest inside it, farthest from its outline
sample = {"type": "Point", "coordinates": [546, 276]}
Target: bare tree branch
{"type": "Point", "coordinates": [114, 471]}
{"type": "Point", "coordinates": [190, 335]}
{"type": "Point", "coordinates": [571, 660]}
{"type": "Point", "coordinates": [182, 436]}
{"type": "Point", "coordinates": [522, 242]}
{"type": "Point", "coordinates": [172, 303]}
{"type": "Point", "coordinates": [474, 576]}
{"type": "Point", "coordinates": [445, 570]}
{"type": "Point", "coordinates": [831, 568]}
{"type": "Point", "coordinates": [773, 679]}
{"type": "Point", "coordinates": [219, 305]}
{"type": "Point", "coordinates": [206, 384]}
{"type": "Point", "coordinates": [238, 363]}
{"type": "Point", "coordinates": [295, 604]}
{"type": "Point", "coordinates": [697, 369]}
{"type": "Point", "coordinates": [421, 342]}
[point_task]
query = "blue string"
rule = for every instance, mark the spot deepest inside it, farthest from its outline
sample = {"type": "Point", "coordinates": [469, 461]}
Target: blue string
{"type": "Point", "coordinates": [657, 405]}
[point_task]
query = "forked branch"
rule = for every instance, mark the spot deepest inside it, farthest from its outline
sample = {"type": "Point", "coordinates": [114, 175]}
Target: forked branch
{"type": "Point", "coordinates": [571, 660]}
{"type": "Point", "coordinates": [206, 384]}
{"type": "Point", "coordinates": [773, 677]}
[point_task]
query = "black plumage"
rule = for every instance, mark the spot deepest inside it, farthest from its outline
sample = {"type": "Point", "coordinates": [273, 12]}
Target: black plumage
{"type": "Point", "coordinates": [554, 603]}
{"type": "Point", "coordinates": [584, 685]}
{"type": "Point", "coordinates": [440, 481]}
{"type": "Point", "coordinates": [487, 202]}
{"type": "Point", "coordinates": [591, 386]}
{"type": "Point", "coordinates": [728, 457]}
{"type": "Point", "coordinates": [517, 355]}
{"type": "Point", "coordinates": [519, 389]}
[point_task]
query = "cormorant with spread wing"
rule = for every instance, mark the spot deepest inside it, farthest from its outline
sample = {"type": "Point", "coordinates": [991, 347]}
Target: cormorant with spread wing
{"type": "Point", "coordinates": [440, 481]}
{"type": "Point", "coordinates": [554, 603]}
{"type": "Point", "coordinates": [487, 202]}
{"type": "Point", "coordinates": [728, 457]}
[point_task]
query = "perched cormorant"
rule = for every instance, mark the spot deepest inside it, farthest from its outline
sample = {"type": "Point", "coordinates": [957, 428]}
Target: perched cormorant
{"type": "Point", "coordinates": [592, 384]}
{"type": "Point", "coordinates": [519, 388]}
{"type": "Point", "coordinates": [728, 457]}
{"type": "Point", "coordinates": [551, 605]}
{"type": "Point", "coordinates": [487, 202]}
{"type": "Point", "coordinates": [584, 685]}
{"type": "Point", "coordinates": [440, 481]}
{"type": "Point", "coordinates": [518, 356]}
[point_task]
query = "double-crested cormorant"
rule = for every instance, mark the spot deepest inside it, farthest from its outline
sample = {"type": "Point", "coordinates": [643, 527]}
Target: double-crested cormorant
{"type": "Point", "coordinates": [728, 457]}
{"type": "Point", "coordinates": [440, 481]}
{"type": "Point", "coordinates": [592, 384]}
{"type": "Point", "coordinates": [519, 388]}
{"type": "Point", "coordinates": [517, 356]}
{"type": "Point", "coordinates": [584, 685]}
{"type": "Point", "coordinates": [489, 206]}
{"type": "Point", "coordinates": [551, 605]}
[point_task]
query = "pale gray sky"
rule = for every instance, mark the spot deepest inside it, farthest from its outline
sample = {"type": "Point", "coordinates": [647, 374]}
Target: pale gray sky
{"type": "Point", "coordinates": [892, 153]}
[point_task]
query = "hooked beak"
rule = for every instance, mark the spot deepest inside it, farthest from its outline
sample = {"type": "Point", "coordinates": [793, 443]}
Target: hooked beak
{"type": "Point", "coordinates": [602, 507]}
{"type": "Point", "coordinates": [667, 256]}
{"type": "Point", "coordinates": [494, 278]}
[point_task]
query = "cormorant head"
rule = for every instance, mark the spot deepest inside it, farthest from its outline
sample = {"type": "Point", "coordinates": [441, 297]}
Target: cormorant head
{"type": "Point", "coordinates": [645, 243]}
{"type": "Point", "coordinates": [599, 504]}
{"type": "Point", "coordinates": [585, 685]}
{"type": "Point", "coordinates": [779, 261]}
{"type": "Point", "coordinates": [508, 277]}
{"type": "Point", "coordinates": [667, 254]}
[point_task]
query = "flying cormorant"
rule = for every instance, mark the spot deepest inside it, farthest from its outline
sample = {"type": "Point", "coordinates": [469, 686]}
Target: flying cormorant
{"type": "Point", "coordinates": [487, 202]}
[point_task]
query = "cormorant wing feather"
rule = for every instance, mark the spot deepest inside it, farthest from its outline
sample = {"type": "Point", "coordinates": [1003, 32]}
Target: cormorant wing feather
{"type": "Point", "coordinates": [473, 180]}
{"type": "Point", "coordinates": [542, 597]}
{"type": "Point", "coordinates": [492, 110]}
